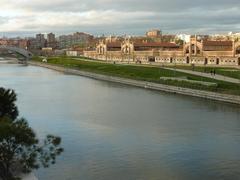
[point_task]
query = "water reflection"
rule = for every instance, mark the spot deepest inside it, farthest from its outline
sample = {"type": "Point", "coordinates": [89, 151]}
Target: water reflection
{"type": "Point", "coordinates": [112, 131]}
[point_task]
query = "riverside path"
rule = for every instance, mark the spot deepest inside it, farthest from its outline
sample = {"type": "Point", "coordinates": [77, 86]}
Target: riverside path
{"type": "Point", "coordinates": [216, 76]}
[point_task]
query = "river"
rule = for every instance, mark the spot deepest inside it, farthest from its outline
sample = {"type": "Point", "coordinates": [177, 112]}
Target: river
{"type": "Point", "coordinates": [112, 131]}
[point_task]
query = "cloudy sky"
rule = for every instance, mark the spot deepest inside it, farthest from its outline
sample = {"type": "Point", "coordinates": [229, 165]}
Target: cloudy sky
{"type": "Point", "coordinates": [26, 17]}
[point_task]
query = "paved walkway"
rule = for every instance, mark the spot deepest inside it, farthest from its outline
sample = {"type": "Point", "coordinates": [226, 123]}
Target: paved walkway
{"type": "Point", "coordinates": [217, 76]}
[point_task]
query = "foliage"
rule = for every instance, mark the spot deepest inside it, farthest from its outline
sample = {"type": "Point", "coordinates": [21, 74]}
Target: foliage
{"type": "Point", "coordinates": [20, 149]}
{"type": "Point", "coordinates": [7, 103]}
{"type": "Point", "coordinates": [179, 42]}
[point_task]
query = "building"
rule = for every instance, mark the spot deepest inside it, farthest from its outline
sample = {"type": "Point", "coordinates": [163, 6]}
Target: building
{"type": "Point", "coordinates": [202, 52]}
{"type": "Point", "coordinates": [21, 43]}
{"type": "Point", "coordinates": [184, 37]}
{"type": "Point", "coordinates": [65, 41]}
{"type": "Point", "coordinates": [72, 53]}
{"type": "Point", "coordinates": [47, 51]}
{"type": "Point", "coordinates": [40, 41]}
{"type": "Point", "coordinates": [78, 38]}
{"type": "Point", "coordinates": [155, 33]}
{"type": "Point", "coordinates": [33, 44]}
{"type": "Point", "coordinates": [51, 40]}
{"type": "Point", "coordinates": [233, 36]}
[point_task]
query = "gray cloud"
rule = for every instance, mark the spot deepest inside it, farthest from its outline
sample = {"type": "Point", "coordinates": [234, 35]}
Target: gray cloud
{"type": "Point", "coordinates": [121, 16]}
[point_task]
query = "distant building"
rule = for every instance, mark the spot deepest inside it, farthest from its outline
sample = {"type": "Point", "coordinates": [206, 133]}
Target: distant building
{"type": "Point", "coordinates": [78, 38]}
{"type": "Point", "coordinates": [65, 41]}
{"type": "Point", "coordinates": [72, 53]}
{"type": "Point", "coordinates": [184, 37]}
{"type": "Point", "coordinates": [51, 40]}
{"type": "Point", "coordinates": [4, 42]}
{"type": "Point", "coordinates": [154, 33]}
{"type": "Point", "coordinates": [219, 37]}
{"type": "Point", "coordinates": [22, 43]}
{"type": "Point", "coordinates": [33, 44]}
{"type": "Point", "coordinates": [47, 51]}
{"type": "Point", "coordinates": [40, 41]}
{"type": "Point", "coordinates": [234, 36]}
{"type": "Point", "coordinates": [168, 38]}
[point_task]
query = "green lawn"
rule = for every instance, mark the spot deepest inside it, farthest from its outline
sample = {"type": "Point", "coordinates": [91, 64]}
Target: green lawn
{"type": "Point", "coordinates": [151, 74]}
{"type": "Point", "coordinates": [225, 71]}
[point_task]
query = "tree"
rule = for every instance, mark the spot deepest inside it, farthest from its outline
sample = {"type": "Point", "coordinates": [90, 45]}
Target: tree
{"type": "Point", "coordinates": [20, 149]}
{"type": "Point", "coordinates": [7, 103]}
{"type": "Point", "coordinates": [179, 42]}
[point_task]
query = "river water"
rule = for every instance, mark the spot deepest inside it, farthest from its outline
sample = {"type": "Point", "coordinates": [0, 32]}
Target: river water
{"type": "Point", "coordinates": [118, 132]}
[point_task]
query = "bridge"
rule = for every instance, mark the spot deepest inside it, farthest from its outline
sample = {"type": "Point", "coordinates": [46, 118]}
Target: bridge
{"type": "Point", "coordinates": [25, 53]}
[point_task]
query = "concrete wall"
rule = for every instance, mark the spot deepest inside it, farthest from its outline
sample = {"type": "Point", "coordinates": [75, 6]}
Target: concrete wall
{"type": "Point", "coordinates": [198, 60]}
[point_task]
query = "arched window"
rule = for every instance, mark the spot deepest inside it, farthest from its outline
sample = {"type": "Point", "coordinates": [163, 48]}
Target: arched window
{"type": "Point", "coordinates": [187, 50]}
{"type": "Point", "coordinates": [198, 50]}
{"type": "Point", "coordinates": [127, 50]}
{"type": "Point", "coordinates": [206, 61]}
{"type": "Point", "coordinates": [101, 50]}
{"type": "Point", "coordinates": [238, 50]}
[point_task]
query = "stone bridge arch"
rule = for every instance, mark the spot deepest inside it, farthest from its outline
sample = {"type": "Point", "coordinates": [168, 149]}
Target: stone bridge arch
{"type": "Point", "coordinates": [28, 55]}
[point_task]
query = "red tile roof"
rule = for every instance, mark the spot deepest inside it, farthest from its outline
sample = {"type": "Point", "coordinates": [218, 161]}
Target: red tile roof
{"type": "Point", "coordinates": [156, 44]}
{"type": "Point", "coordinates": [114, 45]}
{"type": "Point", "coordinates": [145, 44]}
{"type": "Point", "coordinates": [217, 43]}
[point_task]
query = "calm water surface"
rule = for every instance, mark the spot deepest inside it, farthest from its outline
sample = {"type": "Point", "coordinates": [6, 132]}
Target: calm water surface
{"type": "Point", "coordinates": [111, 131]}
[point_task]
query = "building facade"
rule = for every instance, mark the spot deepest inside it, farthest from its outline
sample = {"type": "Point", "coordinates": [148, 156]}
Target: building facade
{"type": "Point", "coordinates": [201, 52]}
{"type": "Point", "coordinates": [21, 43]}
{"type": "Point", "coordinates": [154, 33]}
{"type": "Point", "coordinates": [40, 41]}
{"type": "Point", "coordinates": [51, 40]}
{"type": "Point", "coordinates": [78, 38]}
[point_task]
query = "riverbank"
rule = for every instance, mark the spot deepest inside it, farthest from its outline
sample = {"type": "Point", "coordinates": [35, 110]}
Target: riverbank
{"type": "Point", "coordinates": [154, 74]}
{"type": "Point", "coordinates": [143, 84]}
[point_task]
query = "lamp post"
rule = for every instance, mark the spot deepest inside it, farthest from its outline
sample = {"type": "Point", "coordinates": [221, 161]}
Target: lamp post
{"type": "Point", "coordinates": [175, 67]}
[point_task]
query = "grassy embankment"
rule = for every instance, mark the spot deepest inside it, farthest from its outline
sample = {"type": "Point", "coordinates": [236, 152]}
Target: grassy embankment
{"type": "Point", "coordinates": [150, 74]}
{"type": "Point", "coordinates": [225, 71]}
